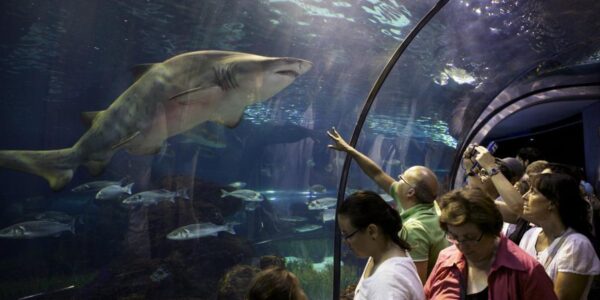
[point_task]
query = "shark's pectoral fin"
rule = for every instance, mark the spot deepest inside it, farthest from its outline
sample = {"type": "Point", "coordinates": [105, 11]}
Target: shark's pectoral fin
{"type": "Point", "coordinates": [197, 94]}
{"type": "Point", "coordinates": [233, 123]}
{"type": "Point", "coordinates": [88, 117]}
{"type": "Point", "coordinates": [56, 166]}
{"type": "Point", "coordinates": [125, 141]}
{"type": "Point", "coordinates": [231, 117]}
{"type": "Point", "coordinates": [139, 70]}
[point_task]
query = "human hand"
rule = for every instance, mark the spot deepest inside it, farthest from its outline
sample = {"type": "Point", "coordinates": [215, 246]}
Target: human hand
{"type": "Point", "coordinates": [485, 159]}
{"type": "Point", "coordinates": [468, 158]}
{"type": "Point", "coordinates": [339, 142]}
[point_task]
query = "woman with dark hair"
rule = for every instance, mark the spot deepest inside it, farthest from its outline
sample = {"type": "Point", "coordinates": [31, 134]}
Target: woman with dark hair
{"type": "Point", "coordinates": [562, 240]}
{"type": "Point", "coordinates": [276, 283]}
{"type": "Point", "coordinates": [482, 263]}
{"type": "Point", "coordinates": [370, 227]}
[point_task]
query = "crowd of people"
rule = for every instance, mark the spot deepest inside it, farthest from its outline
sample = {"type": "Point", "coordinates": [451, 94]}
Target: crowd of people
{"type": "Point", "coordinates": [519, 228]}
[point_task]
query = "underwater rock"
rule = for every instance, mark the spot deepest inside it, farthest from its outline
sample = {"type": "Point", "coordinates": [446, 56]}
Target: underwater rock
{"type": "Point", "coordinates": [189, 270]}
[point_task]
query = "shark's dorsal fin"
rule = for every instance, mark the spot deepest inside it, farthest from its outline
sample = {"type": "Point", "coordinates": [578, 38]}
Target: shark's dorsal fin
{"type": "Point", "coordinates": [186, 96]}
{"type": "Point", "coordinates": [88, 117]}
{"type": "Point", "coordinates": [139, 70]}
{"type": "Point", "coordinates": [125, 141]}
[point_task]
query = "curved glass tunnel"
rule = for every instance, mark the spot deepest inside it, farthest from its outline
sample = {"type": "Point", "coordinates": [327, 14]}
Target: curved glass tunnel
{"type": "Point", "coordinates": [471, 66]}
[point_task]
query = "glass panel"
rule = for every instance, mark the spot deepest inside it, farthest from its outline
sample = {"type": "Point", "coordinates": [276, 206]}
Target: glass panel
{"type": "Point", "coordinates": [244, 183]}
{"type": "Point", "coordinates": [462, 60]}
{"type": "Point", "coordinates": [59, 59]}
{"type": "Point", "coordinates": [469, 53]}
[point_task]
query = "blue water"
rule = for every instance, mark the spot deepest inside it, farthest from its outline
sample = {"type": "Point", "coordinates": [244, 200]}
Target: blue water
{"type": "Point", "coordinates": [58, 59]}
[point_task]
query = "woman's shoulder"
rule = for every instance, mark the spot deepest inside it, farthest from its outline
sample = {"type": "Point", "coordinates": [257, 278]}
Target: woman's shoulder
{"type": "Point", "coordinates": [577, 255]}
{"type": "Point", "coordinates": [572, 235]}
{"type": "Point", "coordinates": [396, 265]}
{"type": "Point", "coordinates": [576, 242]}
{"type": "Point", "coordinates": [396, 261]}
{"type": "Point", "coordinates": [450, 252]}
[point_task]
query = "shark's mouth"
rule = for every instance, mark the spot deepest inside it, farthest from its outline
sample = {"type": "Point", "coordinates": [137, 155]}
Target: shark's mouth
{"type": "Point", "coordinates": [291, 73]}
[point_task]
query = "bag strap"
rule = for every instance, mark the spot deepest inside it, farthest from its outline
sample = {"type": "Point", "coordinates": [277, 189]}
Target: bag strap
{"type": "Point", "coordinates": [552, 253]}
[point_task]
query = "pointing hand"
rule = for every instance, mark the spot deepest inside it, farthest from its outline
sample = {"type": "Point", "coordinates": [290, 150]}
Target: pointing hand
{"type": "Point", "coordinates": [339, 142]}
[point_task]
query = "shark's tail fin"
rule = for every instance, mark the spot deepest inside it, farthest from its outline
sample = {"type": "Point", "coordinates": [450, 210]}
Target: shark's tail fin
{"type": "Point", "coordinates": [56, 166]}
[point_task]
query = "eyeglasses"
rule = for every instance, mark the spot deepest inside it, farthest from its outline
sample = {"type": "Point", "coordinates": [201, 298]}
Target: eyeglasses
{"type": "Point", "coordinates": [348, 236]}
{"type": "Point", "coordinates": [465, 242]}
{"type": "Point", "coordinates": [402, 178]}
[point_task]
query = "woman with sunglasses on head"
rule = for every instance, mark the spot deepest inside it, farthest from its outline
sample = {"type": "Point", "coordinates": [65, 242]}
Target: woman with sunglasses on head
{"type": "Point", "coordinates": [370, 227]}
{"type": "Point", "coordinates": [482, 263]}
{"type": "Point", "coordinates": [562, 241]}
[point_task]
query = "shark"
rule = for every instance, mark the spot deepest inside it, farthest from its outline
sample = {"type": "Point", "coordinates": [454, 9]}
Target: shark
{"type": "Point", "coordinates": [165, 99]}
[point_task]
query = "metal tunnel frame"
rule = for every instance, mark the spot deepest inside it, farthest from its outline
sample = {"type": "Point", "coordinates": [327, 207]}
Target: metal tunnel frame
{"type": "Point", "coordinates": [515, 97]}
{"type": "Point", "coordinates": [358, 128]}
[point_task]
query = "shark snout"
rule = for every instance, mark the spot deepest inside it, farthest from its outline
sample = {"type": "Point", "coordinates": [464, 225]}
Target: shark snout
{"type": "Point", "coordinates": [293, 66]}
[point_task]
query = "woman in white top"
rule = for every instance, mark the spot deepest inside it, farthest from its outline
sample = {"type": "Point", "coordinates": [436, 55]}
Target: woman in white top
{"type": "Point", "coordinates": [561, 243]}
{"type": "Point", "coordinates": [370, 228]}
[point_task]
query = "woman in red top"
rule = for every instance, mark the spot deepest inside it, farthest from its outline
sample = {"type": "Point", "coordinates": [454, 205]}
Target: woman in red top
{"type": "Point", "coordinates": [482, 264]}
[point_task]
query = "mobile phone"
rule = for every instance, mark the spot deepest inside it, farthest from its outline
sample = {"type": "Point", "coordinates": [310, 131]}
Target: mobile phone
{"type": "Point", "coordinates": [492, 147]}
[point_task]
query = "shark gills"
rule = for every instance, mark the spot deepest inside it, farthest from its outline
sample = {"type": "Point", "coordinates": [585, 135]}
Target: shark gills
{"type": "Point", "coordinates": [166, 99]}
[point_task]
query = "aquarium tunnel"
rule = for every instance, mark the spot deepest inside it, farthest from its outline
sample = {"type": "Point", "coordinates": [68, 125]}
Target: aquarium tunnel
{"type": "Point", "coordinates": [170, 149]}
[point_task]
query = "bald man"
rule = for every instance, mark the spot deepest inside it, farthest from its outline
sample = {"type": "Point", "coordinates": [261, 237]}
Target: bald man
{"type": "Point", "coordinates": [414, 193]}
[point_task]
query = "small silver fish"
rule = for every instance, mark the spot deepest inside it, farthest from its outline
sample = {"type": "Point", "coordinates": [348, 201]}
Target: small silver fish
{"type": "Point", "coordinates": [36, 229]}
{"type": "Point", "coordinates": [113, 191]}
{"type": "Point", "coordinates": [318, 188]}
{"type": "Point", "coordinates": [246, 195]}
{"type": "Point", "coordinates": [154, 197]}
{"type": "Point", "coordinates": [308, 228]}
{"type": "Point", "coordinates": [322, 203]}
{"type": "Point", "coordinates": [328, 215]}
{"type": "Point", "coordinates": [292, 219]}
{"type": "Point", "coordinates": [96, 185]}
{"type": "Point", "coordinates": [52, 215]}
{"type": "Point", "coordinates": [199, 230]}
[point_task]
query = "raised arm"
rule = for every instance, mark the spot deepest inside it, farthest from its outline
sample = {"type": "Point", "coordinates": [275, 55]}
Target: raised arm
{"type": "Point", "coordinates": [512, 198]}
{"type": "Point", "coordinates": [369, 167]}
